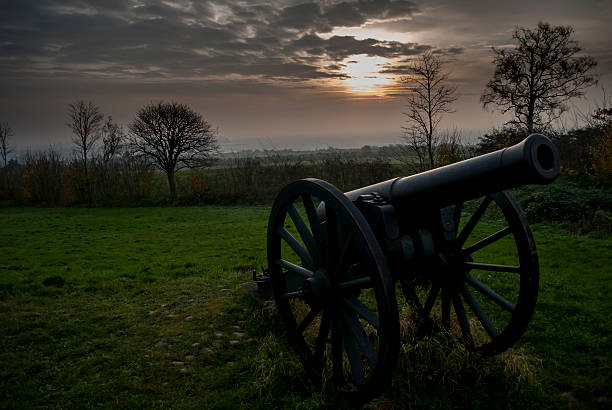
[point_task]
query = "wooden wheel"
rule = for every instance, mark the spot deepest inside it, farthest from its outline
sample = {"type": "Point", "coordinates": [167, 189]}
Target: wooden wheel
{"type": "Point", "coordinates": [333, 289]}
{"type": "Point", "coordinates": [490, 278]}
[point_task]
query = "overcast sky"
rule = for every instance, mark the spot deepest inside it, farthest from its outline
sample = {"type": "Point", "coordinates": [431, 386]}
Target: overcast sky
{"type": "Point", "coordinates": [267, 74]}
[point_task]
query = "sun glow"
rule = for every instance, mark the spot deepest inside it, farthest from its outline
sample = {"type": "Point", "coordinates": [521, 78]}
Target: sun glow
{"type": "Point", "coordinates": [364, 74]}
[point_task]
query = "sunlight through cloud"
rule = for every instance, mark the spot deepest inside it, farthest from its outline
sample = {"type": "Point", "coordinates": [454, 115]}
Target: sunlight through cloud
{"type": "Point", "coordinates": [365, 75]}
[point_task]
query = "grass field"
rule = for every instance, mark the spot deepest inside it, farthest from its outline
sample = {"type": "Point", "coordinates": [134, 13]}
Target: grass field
{"type": "Point", "coordinates": [143, 308]}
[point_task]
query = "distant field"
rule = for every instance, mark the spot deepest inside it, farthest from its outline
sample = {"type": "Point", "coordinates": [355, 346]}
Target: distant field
{"type": "Point", "coordinates": [142, 307]}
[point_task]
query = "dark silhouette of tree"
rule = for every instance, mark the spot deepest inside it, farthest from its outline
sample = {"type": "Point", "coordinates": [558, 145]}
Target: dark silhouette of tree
{"type": "Point", "coordinates": [6, 132]}
{"type": "Point", "coordinates": [112, 139]}
{"type": "Point", "coordinates": [85, 121]}
{"type": "Point", "coordinates": [173, 137]}
{"type": "Point", "coordinates": [500, 138]}
{"type": "Point", "coordinates": [539, 76]}
{"type": "Point", "coordinates": [429, 99]}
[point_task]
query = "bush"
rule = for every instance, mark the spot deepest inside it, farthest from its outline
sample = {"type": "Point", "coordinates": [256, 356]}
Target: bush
{"type": "Point", "coordinates": [602, 159]}
{"type": "Point", "coordinates": [579, 202]}
{"type": "Point", "coordinates": [500, 138]}
{"type": "Point", "coordinates": [42, 177]}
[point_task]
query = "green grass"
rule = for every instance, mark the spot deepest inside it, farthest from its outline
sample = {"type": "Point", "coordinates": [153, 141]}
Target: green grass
{"type": "Point", "coordinates": [149, 313]}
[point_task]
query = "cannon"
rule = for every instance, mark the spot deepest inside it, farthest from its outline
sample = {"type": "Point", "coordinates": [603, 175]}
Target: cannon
{"type": "Point", "coordinates": [451, 240]}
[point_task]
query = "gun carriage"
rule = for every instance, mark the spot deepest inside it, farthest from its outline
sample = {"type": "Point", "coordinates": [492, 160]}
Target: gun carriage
{"type": "Point", "coordinates": [335, 260]}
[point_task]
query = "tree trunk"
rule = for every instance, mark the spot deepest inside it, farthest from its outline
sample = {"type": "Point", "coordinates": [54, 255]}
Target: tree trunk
{"type": "Point", "coordinates": [172, 185]}
{"type": "Point", "coordinates": [88, 190]}
{"type": "Point", "coordinates": [430, 152]}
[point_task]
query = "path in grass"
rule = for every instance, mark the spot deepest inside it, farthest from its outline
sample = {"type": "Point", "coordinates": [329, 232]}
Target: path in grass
{"type": "Point", "coordinates": [151, 314]}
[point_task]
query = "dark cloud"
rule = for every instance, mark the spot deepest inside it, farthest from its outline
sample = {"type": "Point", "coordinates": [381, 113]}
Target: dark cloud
{"type": "Point", "coordinates": [413, 24]}
{"type": "Point", "coordinates": [164, 38]}
{"type": "Point", "coordinates": [315, 17]}
{"type": "Point", "coordinates": [338, 48]}
{"type": "Point", "coordinates": [246, 62]}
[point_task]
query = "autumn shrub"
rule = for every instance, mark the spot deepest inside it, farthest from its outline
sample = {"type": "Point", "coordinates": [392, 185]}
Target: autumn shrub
{"type": "Point", "coordinates": [602, 159]}
{"type": "Point", "coordinates": [10, 181]}
{"type": "Point", "coordinates": [42, 176]}
{"type": "Point", "coordinates": [196, 183]}
{"type": "Point", "coordinates": [74, 184]}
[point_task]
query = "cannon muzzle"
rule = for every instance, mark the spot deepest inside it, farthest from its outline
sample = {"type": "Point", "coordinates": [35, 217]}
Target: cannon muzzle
{"type": "Point", "coordinates": [535, 160]}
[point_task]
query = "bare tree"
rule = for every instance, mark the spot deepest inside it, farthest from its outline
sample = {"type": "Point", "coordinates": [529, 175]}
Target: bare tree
{"type": "Point", "coordinates": [85, 121]}
{"type": "Point", "coordinates": [539, 76]}
{"type": "Point", "coordinates": [112, 139]}
{"type": "Point", "coordinates": [173, 137]}
{"type": "Point", "coordinates": [429, 99]}
{"type": "Point", "coordinates": [6, 132]}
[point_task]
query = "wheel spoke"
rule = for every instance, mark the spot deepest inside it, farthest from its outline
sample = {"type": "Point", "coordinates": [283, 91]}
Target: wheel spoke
{"type": "Point", "coordinates": [297, 247]}
{"type": "Point", "coordinates": [342, 257]}
{"type": "Point", "coordinates": [295, 268]}
{"type": "Point", "coordinates": [410, 293]}
{"type": "Point", "coordinates": [291, 295]}
{"type": "Point", "coordinates": [305, 234]}
{"type": "Point", "coordinates": [360, 335]}
{"type": "Point", "coordinates": [431, 299]}
{"type": "Point", "coordinates": [331, 229]}
{"type": "Point", "coordinates": [463, 321]}
{"type": "Point", "coordinates": [445, 309]}
{"type": "Point", "coordinates": [469, 226]}
{"type": "Point", "coordinates": [321, 342]}
{"type": "Point", "coordinates": [313, 219]}
{"type": "Point", "coordinates": [358, 283]}
{"type": "Point", "coordinates": [338, 375]}
{"type": "Point", "coordinates": [362, 310]}
{"type": "Point", "coordinates": [457, 215]}
{"type": "Point", "coordinates": [307, 320]}
{"type": "Point", "coordinates": [489, 293]}
{"type": "Point", "coordinates": [487, 241]}
{"type": "Point", "coordinates": [480, 314]}
{"type": "Point", "coordinates": [492, 267]}
{"type": "Point", "coordinates": [352, 354]}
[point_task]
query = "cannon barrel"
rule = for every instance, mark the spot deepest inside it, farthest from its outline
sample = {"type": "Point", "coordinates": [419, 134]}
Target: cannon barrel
{"type": "Point", "coordinates": [535, 160]}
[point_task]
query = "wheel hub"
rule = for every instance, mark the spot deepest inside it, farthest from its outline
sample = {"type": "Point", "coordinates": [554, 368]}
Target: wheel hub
{"type": "Point", "coordinates": [452, 275]}
{"type": "Point", "coordinates": [319, 286]}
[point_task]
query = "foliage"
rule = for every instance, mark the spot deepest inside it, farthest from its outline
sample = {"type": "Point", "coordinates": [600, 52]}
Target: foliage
{"type": "Point", "coordinates": [602, 158]}
{"type": "Point", "coordinates": [46, 178]}
{"type": "Point", "coordinates": [451, 148]}
{"type": "Point", "coordinates": [41, 177]}
{"type": "Point", "coordinates": [500, 138]}
{"type": "Point", "coordinates": [249, 180]}
{"type": "Point", "coordinates": [585, 149]}
{"type": "Point", "coordinates": [583, 205]}
{"type": "Point", "coordinates": [536, 79]}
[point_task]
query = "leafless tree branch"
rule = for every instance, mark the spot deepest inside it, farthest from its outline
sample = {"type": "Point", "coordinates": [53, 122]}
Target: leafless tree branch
{"type": "Point", "coordinates": [173, 137]}
{"type": "Point", "coordinates": [429, 99]}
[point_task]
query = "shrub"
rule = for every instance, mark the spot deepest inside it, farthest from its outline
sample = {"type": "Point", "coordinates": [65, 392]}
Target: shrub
{"type": "Point", "coordinates": [602, 159]}
{"type": "Point", "coordinates": [579, 202]}
{"type": "Point", "coordinates": [41, 179]}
